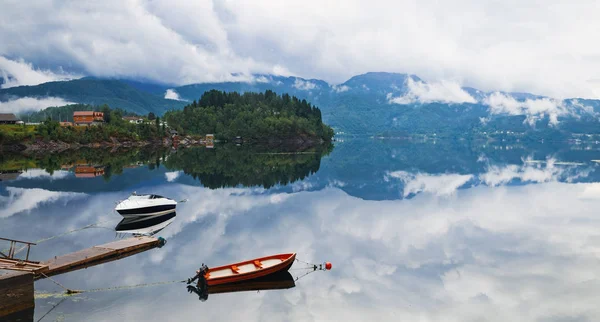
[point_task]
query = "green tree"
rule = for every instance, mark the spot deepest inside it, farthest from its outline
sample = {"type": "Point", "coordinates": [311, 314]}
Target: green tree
{"type": "Point", "coordinates": [151, 116]}
{"type": "Point", "coordinates": [107, 115]}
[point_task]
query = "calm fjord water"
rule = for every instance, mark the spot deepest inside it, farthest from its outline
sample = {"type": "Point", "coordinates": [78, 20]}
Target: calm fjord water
{"type": "Point", "coordinates": [428, 231]}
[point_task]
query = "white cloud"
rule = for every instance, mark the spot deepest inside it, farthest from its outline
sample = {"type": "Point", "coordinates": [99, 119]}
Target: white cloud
{"type": "Point", "coordinates": [41, 173]}
{"type": "Point", "coordinates": [172, 176]}
{"type": "Point", "coordinates": [171, 94]}
{"type": "Point", "coordinates": [18, 73]}
{"type": "Point", "coordinates": [262, 79]}
{"type": "Point", "coordinates": [340, 88]}
{"type": "Point", "coordinates": [534, 108]}
{"type": "Point", "coordinates": [421, 92]}
{"type": "Point", "coordinates": [304, 85]}
{"type": "Point", "coordinates": [483, 44]}
{"type": "Point", "coordinates": [28, 104]}
{"type": "Point", "coordinates": [439, 185]}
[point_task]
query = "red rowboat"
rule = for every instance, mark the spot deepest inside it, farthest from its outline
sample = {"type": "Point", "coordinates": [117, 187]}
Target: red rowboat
{"type": "Point", "coordinates": [249, 269]}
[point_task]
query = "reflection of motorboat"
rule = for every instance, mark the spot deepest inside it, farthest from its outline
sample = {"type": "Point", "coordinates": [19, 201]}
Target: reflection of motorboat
{"type": "Point", "coordinates": [277, 281]}
{"type": "Point", "coordinates": [145, 205]}
{"type": "Point", "coordinates": [145, 225]}
{"type": "Point", "coordinates": [247, 270]}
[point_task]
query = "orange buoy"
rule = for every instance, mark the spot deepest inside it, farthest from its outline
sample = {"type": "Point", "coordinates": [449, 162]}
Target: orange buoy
{"type": "Point", "coordinates": [327, 265]}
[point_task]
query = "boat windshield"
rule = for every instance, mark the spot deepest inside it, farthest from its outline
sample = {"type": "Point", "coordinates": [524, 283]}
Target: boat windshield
{"type": "Point", "coordinates": [156, 197]}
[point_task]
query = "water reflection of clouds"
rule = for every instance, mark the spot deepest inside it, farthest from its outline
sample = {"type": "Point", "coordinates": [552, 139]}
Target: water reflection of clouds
{"type": "Point", "coordinates": [21, 200]}
{"type": "Point", "coordinates": [172, 176]}
{"type": "Point", "coordinates": [43, 174]}
{"type": "Point", "coordinates": [448, 183]}
{"type": "Point", "coordinates": [506, 253]}
{"type": "Point", "coordinates": [437, 184]}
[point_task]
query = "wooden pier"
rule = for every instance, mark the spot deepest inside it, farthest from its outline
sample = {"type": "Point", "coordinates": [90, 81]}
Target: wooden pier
{"type": "Point", "coordinates": [83, 258]}
{"type": "Point", "coordinates": [97, 255]}
{"type": "Point", "coordinates": [17, 275]}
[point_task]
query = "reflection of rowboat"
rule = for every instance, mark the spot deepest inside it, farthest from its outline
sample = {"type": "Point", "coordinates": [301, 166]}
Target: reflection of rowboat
{"type": "Point", "coordinates": [277, 281]}
{"type": "Point", "coordinates": [250, 269]}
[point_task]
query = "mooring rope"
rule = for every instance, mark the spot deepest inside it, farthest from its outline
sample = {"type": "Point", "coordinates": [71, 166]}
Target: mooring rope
{"type": "Point", "coordinates": [57, 304]}
{"type": "Point", "coordinates": [57, 283]}
{"type": "Point", "coordinates": [311, 267]}
{"type": "Point", "coordinates": [125, 287]}
{"type": "Point", "coordinates": [69, 291]}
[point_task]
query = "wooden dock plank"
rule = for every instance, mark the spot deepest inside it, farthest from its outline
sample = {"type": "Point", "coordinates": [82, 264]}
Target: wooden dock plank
{"type": "Point", "coordinates": [98, 254]}
{"type": "Point", "coordinates": [125, 244]}
{"type": "Point", "coordinates": [88, 254]}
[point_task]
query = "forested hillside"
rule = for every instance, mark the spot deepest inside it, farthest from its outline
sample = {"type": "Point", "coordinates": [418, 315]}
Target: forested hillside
{"type": "Point", "coordinates": [253, 116]}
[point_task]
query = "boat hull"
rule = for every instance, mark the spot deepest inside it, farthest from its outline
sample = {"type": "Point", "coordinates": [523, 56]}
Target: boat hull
{"type": "Point", "coordinates": [219, 275]}
{"type": "Point", "coordinates": [147, 211]}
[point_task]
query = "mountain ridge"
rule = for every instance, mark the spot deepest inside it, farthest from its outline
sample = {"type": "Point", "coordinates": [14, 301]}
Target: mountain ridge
{"type": "Point", "coordinates": [369, 103]}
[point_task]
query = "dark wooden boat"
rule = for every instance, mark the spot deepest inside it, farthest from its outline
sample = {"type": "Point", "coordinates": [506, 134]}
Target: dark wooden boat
{"type": "Point", "coordinates": [250, 269]}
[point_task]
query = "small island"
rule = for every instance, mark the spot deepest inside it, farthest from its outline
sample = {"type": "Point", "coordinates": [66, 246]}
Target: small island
{"type": "Point", "coordinates": [256, 117]}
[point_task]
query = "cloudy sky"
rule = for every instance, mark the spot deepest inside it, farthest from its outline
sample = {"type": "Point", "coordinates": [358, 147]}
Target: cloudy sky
{"type": "Point", "coordinates": [546, 47]}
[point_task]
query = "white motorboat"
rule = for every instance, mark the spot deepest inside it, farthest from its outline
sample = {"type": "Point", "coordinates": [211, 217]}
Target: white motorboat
{"type": "Point", "coordinates": [145, 205]}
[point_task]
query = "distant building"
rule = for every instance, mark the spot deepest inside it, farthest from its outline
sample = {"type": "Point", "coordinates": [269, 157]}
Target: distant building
{"type": "Point", "coordinates": [133, 119]}
{"type": "Point", "coordinates": [66, 123]}
{"type": "Point", "coordinates": [87, 117]}
{"type": "Point", "coordinates": [8, 118]}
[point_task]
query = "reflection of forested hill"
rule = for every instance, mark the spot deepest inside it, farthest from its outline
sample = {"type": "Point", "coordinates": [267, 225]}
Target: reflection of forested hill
{"type": "Point", "coordinates": [365, 168]}
{"type": "Point", "coordinates": [69, 171]}
{"type": "Point", "coordinates": [231, 166]}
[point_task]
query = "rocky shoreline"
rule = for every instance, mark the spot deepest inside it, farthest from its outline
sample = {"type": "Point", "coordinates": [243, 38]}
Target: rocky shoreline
{"type": "Point", "coordinates": [40, 146]}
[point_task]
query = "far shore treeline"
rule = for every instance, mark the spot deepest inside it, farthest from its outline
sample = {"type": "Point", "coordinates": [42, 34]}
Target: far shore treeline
{"type": "Point", "coordinates": [252, 116]}
{"type": "Point", "coordinates": [256, 117]}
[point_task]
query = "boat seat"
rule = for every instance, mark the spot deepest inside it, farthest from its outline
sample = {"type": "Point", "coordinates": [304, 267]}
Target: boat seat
{"type": "Point", "coordinates": [258, 264]}
{"type": "Point", "coordinates": [235, 269]}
